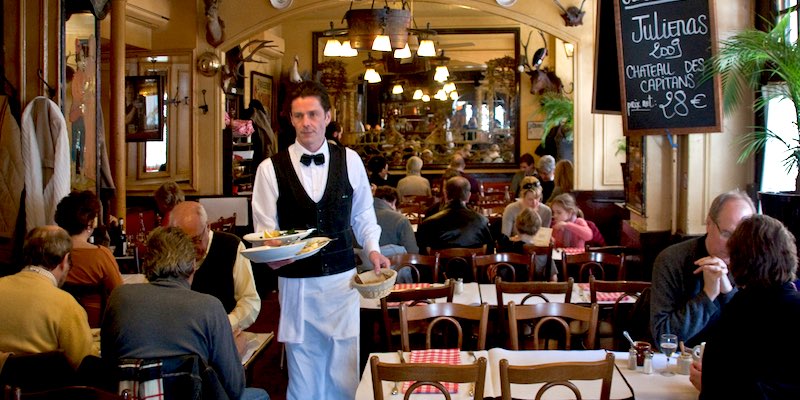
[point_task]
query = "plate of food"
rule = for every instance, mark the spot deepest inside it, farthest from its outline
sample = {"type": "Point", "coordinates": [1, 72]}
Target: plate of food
{"type": "Point", "coordinates": [312, 246]}
{"type": "Point", "coordinates": [263, 254]}
{"type": "Point", "coordinates": [285, 236]}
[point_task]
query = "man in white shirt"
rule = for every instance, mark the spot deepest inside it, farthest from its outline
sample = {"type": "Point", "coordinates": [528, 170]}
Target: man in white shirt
{"type": "Point", "coordinates": [222, 270]}
{"type": "Point", "coordinates": [314, 184]}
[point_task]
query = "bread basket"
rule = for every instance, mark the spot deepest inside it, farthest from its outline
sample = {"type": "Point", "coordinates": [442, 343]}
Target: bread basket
{"type": "Point", "coordinates": [372, 286]}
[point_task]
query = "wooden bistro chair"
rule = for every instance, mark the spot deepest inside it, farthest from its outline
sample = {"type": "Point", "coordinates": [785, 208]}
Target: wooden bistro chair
{"type": "Point", "coordinates": [544, 313]}
{"type": "Point", "coordinates": [426, 267]}
{"type": "Point", "coordinates": [444, 312]}
{"type": "Point", "coordinates": [488, 266]}
{"type": "Point", "coordinates": [617, 316]}
{"type": "Point", "coordinates": [558, 374]}
{"type": "Point", "coordinates": [224, 224]}
{"type": "Point", "coordinates": [428, 374]}
{"type": "Point", "coordinates": [536, 251]}
{"type": "Point", "coordinates": [412, 297]}
{"type": "Point", "coordinates": [593, 264]}
{"type": "Point", "coordinates": [457, 261]}
{"type": "Point", "coordinates": [531, 289]}
{"type": "Point", "coordinates": [64, 393]}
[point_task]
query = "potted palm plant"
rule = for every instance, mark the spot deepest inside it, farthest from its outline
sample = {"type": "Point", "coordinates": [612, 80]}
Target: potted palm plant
{"type": "Point", "coordinates": [558, 110]}
{"type": "Point", "coordinates": [744, 63]}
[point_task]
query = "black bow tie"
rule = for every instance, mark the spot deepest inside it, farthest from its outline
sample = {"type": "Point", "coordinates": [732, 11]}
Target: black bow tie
{"type": "Point", "coordinates": [319, 159]}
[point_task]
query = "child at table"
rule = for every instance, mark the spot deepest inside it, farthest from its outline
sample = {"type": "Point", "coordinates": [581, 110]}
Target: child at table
{"type": "Point", "coordinates": [569, 228]}
{"type": "Point", "coordinates": [527, 224]}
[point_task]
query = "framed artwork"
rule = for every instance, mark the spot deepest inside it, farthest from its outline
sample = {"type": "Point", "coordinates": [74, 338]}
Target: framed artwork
{"type": "Point", "coordinates": [144, 105]}
{"type": "Point", "coordinates": [262, 89]}
{"type": "Point", "coordinates": [535, 130]}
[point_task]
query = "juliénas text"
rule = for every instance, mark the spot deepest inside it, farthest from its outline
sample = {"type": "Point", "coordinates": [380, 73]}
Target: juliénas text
{"type": "Point", "coordinates": [652, 28]}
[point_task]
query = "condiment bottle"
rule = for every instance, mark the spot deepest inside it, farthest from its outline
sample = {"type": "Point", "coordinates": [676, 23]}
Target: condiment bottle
{"type": "Point", "coordinates": [648, 363]}
{"type": "Point", "coordinates": [632, 359]}
{"type": "Point", "coordinates": [684, 363]}
{"type": "Point", "coordinates": [459, 286]}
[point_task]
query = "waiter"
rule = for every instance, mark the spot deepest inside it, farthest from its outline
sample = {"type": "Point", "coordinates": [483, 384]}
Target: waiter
{"type": "Point", "coordinates": [314, 184]}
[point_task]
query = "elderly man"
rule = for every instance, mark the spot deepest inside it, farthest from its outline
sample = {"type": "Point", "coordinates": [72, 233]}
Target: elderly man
{"type": "Point", "coordinates": [413, 184]}
{"type": "Point", "coordinates": [546, 171]}
{"type": "Point", "coordinates": [455, 225]}
{"type": "Point", "coordinates": [691, 281]}
{"type": "Point", "coordinates": [165, 318]}
{"type": "Point", "coordinates": [36, 315]}
{"type": "Point", "coordinates": [223, 272]}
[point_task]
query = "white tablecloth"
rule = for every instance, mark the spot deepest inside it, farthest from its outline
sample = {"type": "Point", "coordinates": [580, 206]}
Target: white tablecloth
{"type": "Point", "coordinates": [645, 387]}
{"type": "Point", "coordinates": [470, 296]}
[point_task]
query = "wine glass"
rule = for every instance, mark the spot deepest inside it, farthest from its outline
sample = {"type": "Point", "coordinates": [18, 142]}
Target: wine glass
{"type": "Point", "coordinates": [668, 344]}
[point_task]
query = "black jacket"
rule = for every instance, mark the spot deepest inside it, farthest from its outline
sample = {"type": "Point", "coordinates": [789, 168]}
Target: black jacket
{"type": "Point", "coordinates": [455, 226]}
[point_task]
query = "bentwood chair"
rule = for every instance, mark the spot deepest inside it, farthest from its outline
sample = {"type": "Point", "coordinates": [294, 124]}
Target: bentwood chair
{"type": "Point", "coordinates": [558, 374]}
{"type": "Point", "coordinates": [457, 261]}
{"type": "Point", "coordinates": [412, 297]}
{"type": "Point", "coordinates": [224, 224]}
{"type": "Point", "coordinates": [428, 374]}
{"type": "Point", "coordinates": [540, 252]}
{"type": "Point", "coordinates": [62, 393]}
{"type": "Point", "coordinates": [617, 316]}
{"type": "Point", "coordinates": [427, 267]}
{"type": "Point", "coordinates": [445, 312]}
{"type": "Point", "coordinates": [508, 265]}
{"type": "Point", "coordinates": [532, 290]}
{"type": "Point", "coordinates": [549, 313]}
{"type": "Point", "coordinates": [598, 265]}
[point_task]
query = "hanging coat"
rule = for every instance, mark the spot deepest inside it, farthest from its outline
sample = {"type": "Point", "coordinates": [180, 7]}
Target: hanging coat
{"type": "Point", "coordinates": [12, 170]}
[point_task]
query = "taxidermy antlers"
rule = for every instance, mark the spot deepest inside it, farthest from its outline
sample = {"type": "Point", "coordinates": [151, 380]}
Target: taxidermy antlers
{"type": "Point", "coordinates": [542, 80]}
{"type": "Point", "coordinates": [573, 16]}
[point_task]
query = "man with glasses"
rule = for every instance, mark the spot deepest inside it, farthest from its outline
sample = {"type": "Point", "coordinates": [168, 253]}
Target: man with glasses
{"type": "Point", "coordinates": [222, 270]}
{"type": "Point", "coordinates": [691, 281]}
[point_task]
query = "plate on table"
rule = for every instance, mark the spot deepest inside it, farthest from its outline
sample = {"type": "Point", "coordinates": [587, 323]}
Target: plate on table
{"type": "Point", "coordinates": [312, 246]}
{"type": "Point", "coordinates": [286, 236]}
{"type": "Point", "coordinates": [263, 254]}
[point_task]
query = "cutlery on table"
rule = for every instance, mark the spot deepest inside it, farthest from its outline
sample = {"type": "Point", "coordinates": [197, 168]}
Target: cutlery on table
{"type": "Point", "coordinates": [395, 390]}
{"type": "Point", "coordinates": [472, 384]}
{"type": "Point", "coordinates": [628, 336]}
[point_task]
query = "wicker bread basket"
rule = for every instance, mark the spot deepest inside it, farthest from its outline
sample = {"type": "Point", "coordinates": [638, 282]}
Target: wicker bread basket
{"type": "Point", "coordinates": [372, 286]}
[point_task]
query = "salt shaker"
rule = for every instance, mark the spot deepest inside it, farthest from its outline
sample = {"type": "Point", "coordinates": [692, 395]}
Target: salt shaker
{"type": "Point", "coordinates": [648, 363]}
{"type": "Point", "coordinates": [684, 363]}
{"type": "Point", "coordinates": [459, 285]}
{"type": "Point", "coordinates": [632, 359]}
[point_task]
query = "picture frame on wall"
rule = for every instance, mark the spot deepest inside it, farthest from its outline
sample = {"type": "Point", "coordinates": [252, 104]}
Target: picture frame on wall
{"type": "Point", "coordinates": [262, 89]}
{"type": "Point", "coordinates": [144, 102]}
{"type": "Point", "coordinates": [535, 130]}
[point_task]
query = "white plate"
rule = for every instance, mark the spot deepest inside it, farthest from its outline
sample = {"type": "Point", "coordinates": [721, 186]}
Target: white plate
{"type": "Point", "coordinates": [506, 3]}
{"type": "Point", "coordinates": [281, 4]}
{"type": "Point", "coordinates": [257, 238]}
{"type": "Point", "coordinates": [323, 241]}
{"type": "Point", "coordinates": [264, 254]}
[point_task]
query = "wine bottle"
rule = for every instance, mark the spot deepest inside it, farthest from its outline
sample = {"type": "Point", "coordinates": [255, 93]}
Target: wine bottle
{"type": "Point", "coordinates": [122, 240]}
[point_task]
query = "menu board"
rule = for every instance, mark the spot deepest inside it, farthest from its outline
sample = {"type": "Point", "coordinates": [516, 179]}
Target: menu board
{"type": "Point", "coordinates": [663, 46]}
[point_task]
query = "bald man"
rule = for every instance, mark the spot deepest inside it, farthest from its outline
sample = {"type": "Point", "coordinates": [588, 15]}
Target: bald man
{"type": "Point", "coordinates": [222, 270]}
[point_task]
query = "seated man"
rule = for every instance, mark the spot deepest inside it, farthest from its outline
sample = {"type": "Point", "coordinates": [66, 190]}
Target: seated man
{"type": "Point", "coordinates": [396, 230]}
{"type": "Point", "coordinates": [36, 315]}
{"type": "Point", "coordinates": [164, 318]}
{"type": "Point", "coordinates": [458, 164]}
{"type": "Point", "coordinates": [456, 225]}
{"type": "Point", "coordinates": [222, 270]}
{"type": "Point", "coordinates": [691, 281]}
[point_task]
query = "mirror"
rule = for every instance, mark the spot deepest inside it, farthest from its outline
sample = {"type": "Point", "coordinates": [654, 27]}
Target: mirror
{"type": "Point", "coordinates": [478, 117]}
{"type": "Point", "coordinates": [144, 105]}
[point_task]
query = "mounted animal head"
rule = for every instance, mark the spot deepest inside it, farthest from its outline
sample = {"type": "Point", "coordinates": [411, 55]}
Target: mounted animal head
{"type": "Point", "coordinates": [542, 79]}
{"type": "Point", "coordinates": [573, 16]}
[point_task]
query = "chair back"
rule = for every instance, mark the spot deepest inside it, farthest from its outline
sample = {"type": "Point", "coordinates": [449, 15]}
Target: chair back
{"type": "Point", "coordinates": [592, 264]}
{"type": "Point", "coordinates": [544, 313]}
{"type": "Point", "coordinates": [444, 312]}
{"type": "Point", "coordinates": [412, 211]}
{"type": "Point", "coordinates": [427, 374]}
{"type": "Point", "coordinates": [224, 224]}
{"type": "Point", "coordinates": [37, 372]}
{"type": "Point", "coordinates": [428, 264]}
{"type": "Point", "coordinates": [558, 374]}
{"type": "Point", "coordinates": [533, 289]}
{"type": "Point", "coordinates": [412, 296]}
{"type": "Point", "coordinates": [92, 297]}
{"type": "Point", "coordinates": [534, 251]}
{"type": "Point", "coordinates": [457, 261]}
{"type": "Point", "coordinates": [615, 317]}
{"type": "Point", "coordinates": [179, 377]}
{"type": "Point", "coordinates": [486, 267]}
{"type": "Point", "coordinates": [67, 392]}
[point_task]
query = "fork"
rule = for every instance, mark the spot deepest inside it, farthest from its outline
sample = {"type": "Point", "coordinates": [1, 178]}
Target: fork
{"type": "Point", "coordinates": [395, 391]}
{"type": "Point", "coordinates": [472, 384]}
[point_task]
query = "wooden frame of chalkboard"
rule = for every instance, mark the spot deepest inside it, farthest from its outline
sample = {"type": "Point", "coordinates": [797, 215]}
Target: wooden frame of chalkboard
{"type": "Point", "coordinates": [662, 46]}
{"type": "Point", "coordinates": [605, 96]}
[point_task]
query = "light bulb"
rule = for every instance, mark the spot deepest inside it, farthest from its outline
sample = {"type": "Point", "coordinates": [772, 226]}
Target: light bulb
{"type": "Point", "coordinates": [332, 48]}
{"type": "Point", "coordinates": [440, 95]}
{"type": "Point", "coordinates": [397, 89]}
{"type": "Point", "coordinates": [441, 74]}
{"type": "Point", "coordinates": [372, 76]}
{"type": "Point", "coordinates": [453, 95]}
{"type": "Point", "coordinates": [382, 43]}
{"type": "Point", "coordinates": [426, 48]}
{"type": "Point", "coordinates": [449, 87]}
{"type": "Point", "coordinates": [405, 52]}
{"type": "Point", "coordinates": [417, 94]}
{"type": "Point", "coordinates": [426, 98]}
{"type": "Point", "coordinates": [347, 51]}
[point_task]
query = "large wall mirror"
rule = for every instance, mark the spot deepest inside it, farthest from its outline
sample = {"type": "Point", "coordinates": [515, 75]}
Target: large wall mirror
{"type": "Point", "coordinates": [476, 111]}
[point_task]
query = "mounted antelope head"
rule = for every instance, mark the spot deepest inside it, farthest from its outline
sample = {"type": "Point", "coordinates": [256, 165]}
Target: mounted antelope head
{"type": "Point", "coordinates": [542, 79]}
{"type": "Point", "coordinates": [573, 16]}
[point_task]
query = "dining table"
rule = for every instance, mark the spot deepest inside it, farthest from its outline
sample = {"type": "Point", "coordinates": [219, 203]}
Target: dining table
{"type": "Point", "coordinates": [625, 384]}
{"type": "Point", "coordinates": [469, 295]}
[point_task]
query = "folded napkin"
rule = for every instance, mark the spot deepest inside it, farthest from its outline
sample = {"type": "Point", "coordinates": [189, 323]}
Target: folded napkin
{"type": "Point", "coordinates": [603, 296]}
{"type": "Point", "coordinates": [435, 356]}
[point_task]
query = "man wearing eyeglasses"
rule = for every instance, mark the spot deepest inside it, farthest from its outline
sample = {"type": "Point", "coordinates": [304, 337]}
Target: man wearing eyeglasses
{"type": "Point", "coordinates": [691, 281]}
{"type": "Point", "coordinates": [222, 270]}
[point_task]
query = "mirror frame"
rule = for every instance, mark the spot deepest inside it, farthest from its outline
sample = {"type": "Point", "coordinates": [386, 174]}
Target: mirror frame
{"type": "Point", "coordinates": [316, 51]}
{"type": "Point", "coordinates": [141, 133]}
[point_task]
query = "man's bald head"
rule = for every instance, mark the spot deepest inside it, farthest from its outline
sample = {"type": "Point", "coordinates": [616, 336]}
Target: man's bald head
{"type": "Point", "coordinates": [457, 188]}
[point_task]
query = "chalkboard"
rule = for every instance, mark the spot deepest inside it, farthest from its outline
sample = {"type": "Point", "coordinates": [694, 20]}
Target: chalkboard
{"type": "Point", "coordinates": [605, 99]}
{"type": "Point", "coordinates": [663, 46]}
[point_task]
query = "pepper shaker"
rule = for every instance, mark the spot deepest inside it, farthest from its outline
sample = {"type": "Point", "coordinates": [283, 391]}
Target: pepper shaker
{"type": "Point", "coordinates": [648, 363]}
{"type": "Point", "coordinates": [632, 359]}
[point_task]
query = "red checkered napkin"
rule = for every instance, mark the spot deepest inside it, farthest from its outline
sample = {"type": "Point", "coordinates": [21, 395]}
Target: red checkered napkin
{"type": "Point", "coordinates": [407, 286]}
{"type": "Point", "coordinates": [609, 297]}
{"type": "Point", "coordinates": [574, 250]}
{"type": "Point", "coordinates": [435, 356]}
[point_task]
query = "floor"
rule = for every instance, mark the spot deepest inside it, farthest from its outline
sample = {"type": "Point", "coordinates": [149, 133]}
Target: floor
{"type": "Point", "coordinates": [267, 373]}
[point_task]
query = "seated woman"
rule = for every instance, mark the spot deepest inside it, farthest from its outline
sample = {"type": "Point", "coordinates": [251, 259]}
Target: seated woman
{"type": "Point", "coordinates": [91, 264]}
{"type": "Point", "coordinates": [763, 262]}
{"type": "Point", "coordinates": [563, 178]}
{"type": "Point", "coordinates": [527, 224]}
{"type": "Point", "coordinates": [530, 197]}
{"type": "Point", "coordinates": [569, 227]}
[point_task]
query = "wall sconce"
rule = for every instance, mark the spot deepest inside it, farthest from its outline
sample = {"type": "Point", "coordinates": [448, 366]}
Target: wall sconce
{"type": "Point", "coordinates": [569, 49]}
{"type": "Point", "coordinates": [208, 63]}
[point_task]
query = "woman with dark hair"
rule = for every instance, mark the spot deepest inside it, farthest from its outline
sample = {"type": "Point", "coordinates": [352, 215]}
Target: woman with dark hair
{"type": "Point", "coordinates": [91, 264]}
{"type": "Point", "coordinates": [751, 352]}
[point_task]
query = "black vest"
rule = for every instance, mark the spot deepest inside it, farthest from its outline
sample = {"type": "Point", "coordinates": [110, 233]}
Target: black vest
{"type": "Point", "coordinates": [331, 216]}
{"type": "Point", "coordinates": [215, 275]}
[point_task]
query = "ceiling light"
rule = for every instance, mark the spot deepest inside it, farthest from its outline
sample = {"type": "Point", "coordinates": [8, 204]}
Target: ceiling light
{"type": "Point", "coordinates": [417, 94]}
{"type": "Point", "coordinates": [372, 76]}
{"type": "Point", "coordinates": [397, 89]}
{"type": "Point", "coordinates": [382, 43]}
{"type": "Point", "coordinates": [332, 48]}
{"type": "Point", "coordinates": [426, 48]}
{"type": "Point", "coordinates": [454, 95]}
{"type": "Point", "coordinates": [449, 87]}
{"type": "Point", "coordinates": [405, 52]}
{"type": "Point", "coordinates": [441, 74]}
{"type": "Point", "coordinates": [426, 98]}
{"type": "Point", "coordinates": [440, 95]}
{"type": "Point", "coordinates": [347, 51]}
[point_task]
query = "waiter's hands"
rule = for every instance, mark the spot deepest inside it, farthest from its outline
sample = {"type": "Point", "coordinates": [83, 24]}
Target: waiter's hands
{"type": "Point", "coordinates": [276, 264]}
{"type": "Point", "coordinates": [378, 261]}
{"type": "Point", "coordinates": [715, 276]}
